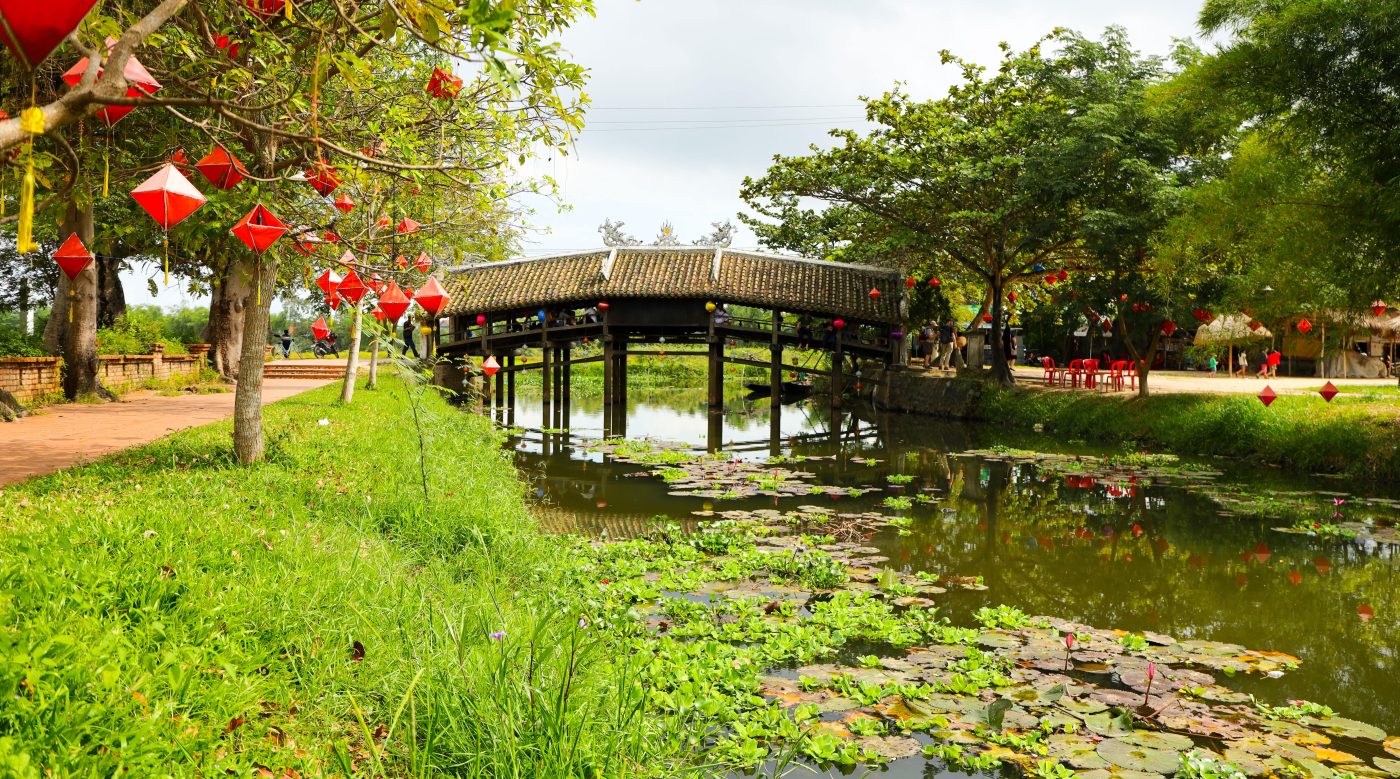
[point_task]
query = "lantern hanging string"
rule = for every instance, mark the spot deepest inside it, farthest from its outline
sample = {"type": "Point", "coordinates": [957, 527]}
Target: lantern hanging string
{"type": "Point", "coordinates": [107, 161]}
{"type": "Point", "coordinates": [31, 122]}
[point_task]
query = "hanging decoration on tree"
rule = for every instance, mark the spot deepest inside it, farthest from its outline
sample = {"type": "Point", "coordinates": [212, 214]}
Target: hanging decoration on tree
{"type": "Point", "coordinates": [1202, 315]}
{"type": "Point", "coordinates": [32, 30]}
{"type": "Point", "coordinates": [490, 366]}
{"type": "Point", "coordinates": [266, 9]}
{"type": "Point", "coordinates": [178, 159]}
{"type": "Point", "coordinates": [333, 301]}
{"type": "Point", "coordinates": [987, 317]}
{"type": "Point", "coordinates": [1378, 307]}
{"type": "Point", "coordinates": [443, 85]}
{"type": "Point", "coordinates": [169, 198]}
{"type": "Point", "coordinates": [1304, 325]}
{"type": "Point", "coordinates": [322, 178]}
{"type": "Point", "coordinates": [222, 169]}
{"type": "Point", "coordinates": [344, 204]}
{"type": "Point", "coordinates": [140, 83]}
{"type": "Point", "coordinates": [393, 302]}
{"type": "Point", "coordinates": [407, 226]}
{"type": "Point", "coordinates": [910, 283]}
{"type": "Point", "coordinates": [432, 297]}
{"type": "Point", "coordinates": [423, 263]}
{"type": "Point", "coordinates": [839, 324]}
{"type": "Point", "coordinates": [1328, 391]}
{"type": "Point", "coordinates": [259, 229]}
{"type": "Point", "coordinates": [327, 281]}
{"type": "Point", "coordinates": [226, 45]}
{"type": "Point", "coordinates": [73, 257]}
{"type": "Point", "coordinates": [401, 261]}
{"type": "Point", "coordinates": [378, 313]}
{"type": "Point", "coordinates": [1168, 327]}
{"type": "Point", "coordinates": [1062, 275]}
{"type": "Point", "coordinates": [1268, 396]}
{"type": "Point", "coordinates": [319, 329]}
{"type": "Point", "coordinates": [934, 282]}
{"type": "Point", "coordinates": [874, 293]}
{"type": "Point", "coordinates": [1011, 297]}
{"type": "Point", "coordinates": [351, 288]}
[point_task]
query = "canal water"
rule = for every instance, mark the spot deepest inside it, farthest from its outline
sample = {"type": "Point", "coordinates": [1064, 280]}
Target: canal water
{"type": "Point", "coordinates": [1191, 553]}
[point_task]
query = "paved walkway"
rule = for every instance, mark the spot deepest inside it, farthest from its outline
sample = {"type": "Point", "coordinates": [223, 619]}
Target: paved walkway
{"type": "Point", "coordinates": [1194, 381]}
{"type": "Point", "coordinates": [71, 434]}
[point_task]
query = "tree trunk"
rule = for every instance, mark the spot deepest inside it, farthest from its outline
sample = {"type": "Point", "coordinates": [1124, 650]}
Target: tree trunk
{"type": "Point", "coordinates": [1001, 369]}
{"type": "Point", "coordinates": [226, 316]}
{"type": "Point", "coordinates": [26, 312]}
{"type": "Point", "coordinates": [247, 399]}
{"type": "Point", "coordinates": [373, 364]}
{"type": "Point", "coordinates": [352, 361]}
{"type": "Point", "coordinates": [56, 328]}
{"type": "Point", "coordinates": [111, 298]}
{"type": "Point", "coordinates": [79, 310]}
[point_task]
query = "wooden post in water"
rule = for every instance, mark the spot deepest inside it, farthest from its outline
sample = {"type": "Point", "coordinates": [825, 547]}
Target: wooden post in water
{"type": "Point", "coordinates": [836, 373]}
{"type": "Point", "coordinates": [608, 366]}
{"type": "Point", "coordinates": [500, 389]}
{"type": "Point", "coordinates": [775, 359]}
{"type": "Point", "coordinates": [510, 391]}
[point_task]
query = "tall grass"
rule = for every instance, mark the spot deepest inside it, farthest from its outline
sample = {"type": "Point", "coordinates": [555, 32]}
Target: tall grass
{"type": "Point", "coordinates": [1303, 432]}
{"type": "Point", "coordinates": [166, 612]}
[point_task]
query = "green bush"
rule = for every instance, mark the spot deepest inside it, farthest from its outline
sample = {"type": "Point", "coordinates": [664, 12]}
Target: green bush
{"type": "Point", "coordinates": [14, 343]}
{"type": "Point", "coordinates": [137, 332]}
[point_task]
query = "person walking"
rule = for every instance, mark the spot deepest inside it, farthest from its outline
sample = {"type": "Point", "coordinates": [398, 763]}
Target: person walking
{"type": "Point", "coordinates": [1214, 366]}
{"type": "Point", "coordinates": [409, 333]}
{"type": "Point", "coordinates": [928, 346]}
{"type": "Point", "coordinates": [1263, 365]}
{"type": "Point", "coordinates": [946, 335]}
{"type": "Point", "coordinates": [1008, 346]}
{"type": "Point", "coordinates": [1243, 363]}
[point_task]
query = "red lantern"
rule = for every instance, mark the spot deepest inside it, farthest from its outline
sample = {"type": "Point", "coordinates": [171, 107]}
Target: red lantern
{"type": "Point", "coordinates": [168, 196]}
{"type": "Point", "coordinates": [1268, 396]}
{"type": "Point", "coordinates": [393, 302]}
{"type": "Point", "coordinates": [1304, 326]}
{"type": "Point", "coordinates": [1168, 327]}
{"type": "Point", "coordinates": [177, 159]}
{"type": "Point", "coordinates": [489, 366]}
{"type": "Point", "coordinates": [408, 292]}
{"type": "Point", "coordinates": [328, 281]}
{"type": "Point", "coordinates": [331, 236]}
{"type": "Point", "coordinates": [432, 297]}
{"type": "Point", "coordinates": [383, 222]}
{"type": "Point", "coordinates": [480, 320]}
{"type": "Point", "coordinates": [32, 30]}
{"type": "Point", "coordinates": [603, 305]}
{"type": "Point", "coordinates": [1062, 275]}
{"type": "Point", "coordinates": [987, 317]}
{"type": "Point", "coordinates": [1107, 325]}
{"type": "Point", "coordinates": [377, 313]}
{"type": "Point", "coordinates": [351, 288]}
{"type": "Point", "coordinates": [227, 45]}
{"type": "Point", "coordinates": [874, 294]}
{"type": "Point", "coordinates": [139, 81]}
{"type": "Point", "coordinates": [322, 178]}
{"type": "Point", "coordinates": [344, 204]}
{"type": "Point", "coordinates": [1328, 391]}
{"type": "Point", "coordinates": [258, 228]}
{"type": "Point", "coordinates": [401, 261]}
{"type": "Point", "coordinates": [910, 283]}
{"type": "Point", "coordinates": [333, 300]}
{"type": "Point", "coordinates": [1201, 315]}
{"type": "Point", "coordinates": [423, 263]}
{"type": "Point", "coordinates": [265, 9]}
{"type": "Point", "coordinates": [407, 226]}
{"type": "Point", "coordinates": [222, 169]}
{"type": "Point", "coordinates": [73, 257]}
{"type": "Point", "coordinates": [319, 329]}
{"type": "Point", "coordinates": [306, 244]}
{"type": "Point", "coordinates": [1378, 307]}
{"type": "Point", "coordinates": [934, 282]}
{"type": "Point", "coordinates": [1011, 297]}
{"type": "Point", "coordinates": [839, 324]}
{"type": "Point", "coordinates": [442, 84]}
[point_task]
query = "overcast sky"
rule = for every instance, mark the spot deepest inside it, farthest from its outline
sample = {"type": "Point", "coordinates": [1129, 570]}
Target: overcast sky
{"type": "Point", "coordinates": [691, 96]}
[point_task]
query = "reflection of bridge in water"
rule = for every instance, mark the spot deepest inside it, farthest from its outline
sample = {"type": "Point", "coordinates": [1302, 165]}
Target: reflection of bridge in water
{"type": "Point", "coordinates": [624, 297]}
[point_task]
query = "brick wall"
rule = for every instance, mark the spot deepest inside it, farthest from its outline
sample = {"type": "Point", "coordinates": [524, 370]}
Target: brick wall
{"type": "Point", "coordinates": [32, 379]}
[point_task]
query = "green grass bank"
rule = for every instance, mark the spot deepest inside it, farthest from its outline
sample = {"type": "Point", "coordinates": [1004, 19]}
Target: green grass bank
{"type": "Point", "coordinates": [337, 610]}
{"type": "Point", "coordinates": [1357, 434]}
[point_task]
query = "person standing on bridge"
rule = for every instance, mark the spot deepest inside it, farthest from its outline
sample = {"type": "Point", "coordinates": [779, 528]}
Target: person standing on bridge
{"type": "Point", "coordinates": [946, 334]}
{"type": "Point", "coordinates": [409, 333]}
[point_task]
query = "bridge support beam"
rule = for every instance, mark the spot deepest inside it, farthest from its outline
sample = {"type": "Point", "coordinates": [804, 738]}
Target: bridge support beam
{"type": "Point", "coordinates": [546, 382]}
{"type": "Point", "coordinates": [510, 391]}
{"type": "Point", "coordinates": [837, 374]}
{"type": "Point", "coordinates": [715, 374]}
{"type": "Point", "coordinates": [501, 391]}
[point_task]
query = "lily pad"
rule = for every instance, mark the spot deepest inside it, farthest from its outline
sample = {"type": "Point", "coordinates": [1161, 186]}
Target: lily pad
{"type": "Point", "coordinates": [1350, 728]}
{"type": "Point", "coordinates": [1157, 740]}
{"type": "Point", "coordinates": [891, 747]}
{"type": "Point", "coordinates": [1138, 758]}
{"type": "Point", "coordinates": [1076, 750]}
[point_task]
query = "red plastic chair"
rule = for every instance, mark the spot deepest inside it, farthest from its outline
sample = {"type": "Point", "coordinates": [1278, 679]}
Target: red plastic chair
{"type": "Point", "coordinates": [1052, 374]}
{"type": "Point", "coordinates": [1131, 374]}
{"type": "Point", "coordinates": [1116, 369]}
{"type": "Point", "coordinates": [1074, 374]}
{"type": "Point", "coordinates": [1091, 373]}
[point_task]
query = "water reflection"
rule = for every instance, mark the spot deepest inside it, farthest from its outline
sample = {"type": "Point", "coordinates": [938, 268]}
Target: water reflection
{"type": "Point", "coordinates": [1143, 556]}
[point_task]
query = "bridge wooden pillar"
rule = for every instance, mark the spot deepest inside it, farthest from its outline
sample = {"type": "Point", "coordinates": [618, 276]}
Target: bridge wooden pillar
{"type": "Point", "coordinates": [546, 382]}
{"type": "Point", "coordinates": [837, 373]}
{"type": "Point", "coordinates": [510, 391]}
{"type": "Point", "coordinates": [715, 373]}
{"type": "Point", "coordinates": [608, 367]}
{"type": "Point", "coordinates": [775, 368]}
{"type": "Point", "coordinates": [566, 382]}
{"type": "Point", "coordinates": [500, 390]}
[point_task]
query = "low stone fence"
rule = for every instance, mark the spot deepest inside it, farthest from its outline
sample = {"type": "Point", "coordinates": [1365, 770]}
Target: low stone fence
{"type": "Point", "coordinates": [921, 392]}
{"type": "Point", "coordinates": [36, 379]}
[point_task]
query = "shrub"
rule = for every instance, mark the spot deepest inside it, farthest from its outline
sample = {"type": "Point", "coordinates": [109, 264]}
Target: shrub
{"type": "Point", "coordinates": [14, 343]}
{"type": "Point", "coordinates": [137, 332]}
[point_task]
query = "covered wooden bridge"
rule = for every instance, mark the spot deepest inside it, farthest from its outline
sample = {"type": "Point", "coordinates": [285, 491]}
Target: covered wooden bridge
{"type": "Point", "coordinates": [627, 298]}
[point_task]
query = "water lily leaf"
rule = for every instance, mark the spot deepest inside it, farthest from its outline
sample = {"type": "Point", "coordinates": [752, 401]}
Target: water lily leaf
{"type": "Point", "coordinates": [1117, 773]}
{"type": "Point", "coordinates": [1053, 694]}
{"type": "Point", "coordinates": [1252, 765]}
{"type": "Point", "coordinates": [892, 747]}
{"type": "Point", "coordinates": [1388, 765]}
{"type": "Point", "coordinates": [1329, 755]}
{"type": "Point", "coordinates": [1313, 768]}
{"type": "Point", "coordinates": [1156, 740]}
{"type": "Point", "coordinates": [1341, 726]}
{"type": "Point", "coordinates": [998, 639]}
{"type": "Point", "coordinates": [1138, 758]}
{"type": "Point", "coordinates": [1392, 745]}
{"type": "Point", "coordinates": [996, 712]}
{"type": "Point", "coordinates": [1082, 706]}
{"type": "Point", "coordinates": [1078, 751]}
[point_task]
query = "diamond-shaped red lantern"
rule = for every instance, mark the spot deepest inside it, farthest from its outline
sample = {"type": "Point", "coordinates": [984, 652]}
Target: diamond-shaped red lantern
{"type": "Point", "coordinates": [1168, 327]}
{"type": "Point", "coordinates": [344, 204]}
{"type": "Point", "coordinates": [407, 226]}
{"type": "Point", "coordinates": [1328, 391]}
{"type": "Point", "coordinates": [258, 228]}
{"type": "Point", "coordinates": [603, 306]}
{"type": "Point", "coordinates": [333, 300]}
{"type": "Point", "coordinates": [306, 243]}
{"type": "Point", "coordinates": [1304, 326]}
{"type": "Point", "coordinates": [480, 320]}
{"type": "Point", "coordinates": [168, 196]}
{"type": "Point", "coordinates": [322, 178]}
{"type": "Point", "coordinates": [265, 9]}
{"type": "Point", "coordinates": [1378, 307]}
{"type": "Point", "coordinates": [839, 324]}
{"type": "Point", "coordinates": [401, 261]}
{"type": "Point", "coordinates": [32, 30]}
{"type": "Point", "coordinates": [1255, 324]}
{"type": "Point", "coordinates": [442, 84]}
{"type": "Point", "coordinates": [1107, 325]}
{"type": "Point", "coordinates": [139, 81]}
{"type": "Point", "coordinates": [319, 329]}
{"type": "Point", "coordinates": [393, 302]}
{"type": "Point", "coordinates": [1202, 315]}
{"type": "Point", "coordinates": [72, 257]}
{"type": "Point", "coordinates": [1062, 275]}
{"type": "Point", "coordinates": [423, 263]}
{"type": "Point", "coordinates": [910, 283]}
{"type": "Point", "coordinates": [177, 159]}
{"type": "Point", "coordinates": [489, 366]}
{"type": "Point", "coordinates": [934, 282]}
{"type": "Point", "coordinates": [1011, 297]}
{"type": "Point", "coordinates": [222, 169]}
{"type": "Point", "coordinates": [1268, 396]}
{"type": "Point", "coordinates": [351, 288]}
{"type": "Point", "coordinates": [432, 297]}
{"type": "Point", "coordinates": [874, 293]}
{"type": "Point", "coordinates": [328, 281]}
{"type": "Point", "coordinates": [331, 236]}
{"type": "Point", "coordinates": [378, 313]}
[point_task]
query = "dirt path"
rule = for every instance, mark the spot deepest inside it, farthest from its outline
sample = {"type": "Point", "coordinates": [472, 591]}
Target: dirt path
{"type": "Point", "coordinates": [1190, 381]}
{"type": "Point", "coordinates": [71, 434]}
